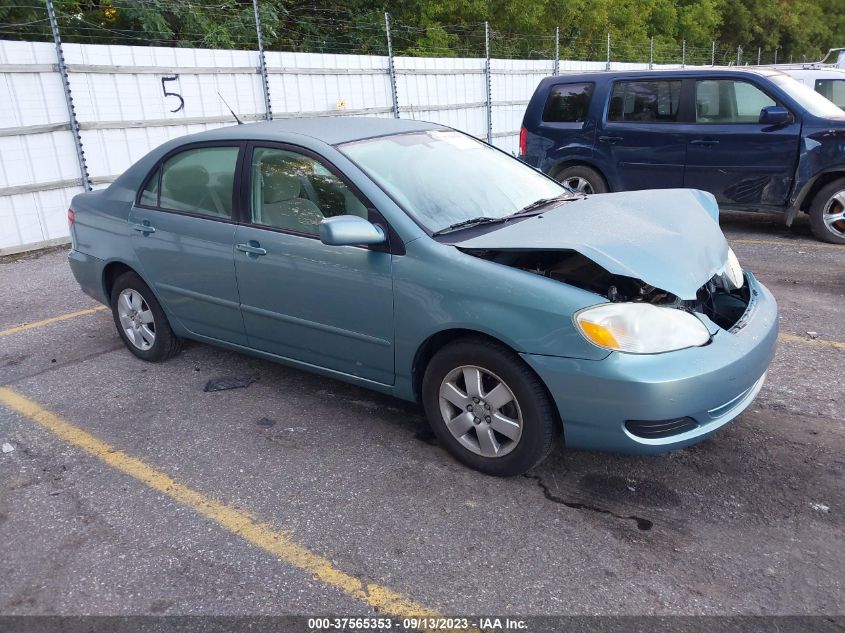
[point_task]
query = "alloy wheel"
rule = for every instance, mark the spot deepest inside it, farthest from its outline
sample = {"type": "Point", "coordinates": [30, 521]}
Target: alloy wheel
{"type": "Point", "coordinates": [834, 214]}
{"type": "Point", "coordinates": [480, 411]}
{"type": "Point", "coordinates": [136, 319]}
{"type": "Point", "coordinates": [579, 185]}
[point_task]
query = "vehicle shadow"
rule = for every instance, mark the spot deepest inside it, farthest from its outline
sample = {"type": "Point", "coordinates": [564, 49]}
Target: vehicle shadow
{"type": "Point", "coordinates": [716, 482]}
{"type": "Point", "coordinates": [738, 224]}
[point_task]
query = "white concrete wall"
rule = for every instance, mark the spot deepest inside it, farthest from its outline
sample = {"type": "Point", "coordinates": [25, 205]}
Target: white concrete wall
{"type": "Point", "coordinates": [123, 112]}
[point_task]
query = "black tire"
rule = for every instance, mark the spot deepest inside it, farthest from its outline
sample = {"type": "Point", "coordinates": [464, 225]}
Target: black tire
{"type": "Point", "coordinates": [595, 182]}
{"type": "Point", "coordinates": [540, 425]}
{"type": "Point", "coordinates": [165, 344]}
{"type": "Point", "coordinates": [823, 204]}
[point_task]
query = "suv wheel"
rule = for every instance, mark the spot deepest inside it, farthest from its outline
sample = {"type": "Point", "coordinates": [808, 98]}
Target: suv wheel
{"type": "Point", "coordinates": [488, 408]}
{"type": "Point", "coordinates": [827, 213]}
{"type": "Point", "coordinates": [140, 321]}
{"type": "Point", "coordinates": [582, 179]}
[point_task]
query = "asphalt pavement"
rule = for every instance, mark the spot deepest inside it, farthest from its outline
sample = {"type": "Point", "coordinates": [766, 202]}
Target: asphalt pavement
{"type": "Point", "coordinates": [303, 495]}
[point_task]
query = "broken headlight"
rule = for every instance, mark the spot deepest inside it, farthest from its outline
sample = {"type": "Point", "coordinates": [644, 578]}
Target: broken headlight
{"type": "Point", "coordinates": [641, 328]}
{"type": "Point", "coordinates": [732, 276]}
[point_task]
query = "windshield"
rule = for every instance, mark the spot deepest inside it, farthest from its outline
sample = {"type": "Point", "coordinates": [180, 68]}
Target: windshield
{"type": "Point", "coordinates": [808, 98]}
{"type": "Point", "coordinates": [442, 177]}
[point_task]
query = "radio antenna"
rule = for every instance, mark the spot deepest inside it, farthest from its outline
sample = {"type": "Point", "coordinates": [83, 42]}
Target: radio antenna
{"type": "Point", "coordinates": [230, 108]}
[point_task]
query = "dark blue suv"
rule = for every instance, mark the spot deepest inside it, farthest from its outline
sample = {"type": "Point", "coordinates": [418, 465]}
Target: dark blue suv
{"type": "Point", "coordinates": [756, 139]}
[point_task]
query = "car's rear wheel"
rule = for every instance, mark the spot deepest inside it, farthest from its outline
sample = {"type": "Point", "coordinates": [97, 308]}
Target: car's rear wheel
{"type": "Point", "coordinates": [827, 213]}
{"type": "Point", "coordinates": [582, 179]}
{"type": "Point", "coordinates": [140, 320]}
{"type": "Point", "coordinates": [488, 408]}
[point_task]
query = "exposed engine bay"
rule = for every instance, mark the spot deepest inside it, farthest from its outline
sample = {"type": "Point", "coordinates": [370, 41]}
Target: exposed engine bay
{"type": "Point", "coordinates": [716, 299]}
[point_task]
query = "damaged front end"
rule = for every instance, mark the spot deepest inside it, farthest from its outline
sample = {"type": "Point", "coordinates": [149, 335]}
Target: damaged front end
{"type": "Point", "coordinates": [723, 299]}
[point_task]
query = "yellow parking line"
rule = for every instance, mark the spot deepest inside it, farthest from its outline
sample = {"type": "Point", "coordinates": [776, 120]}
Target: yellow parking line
{"type": "Point", "coordinates": [55, 319]}
{"type": "Point", "coordinates": [791, 243]}
{"type": "Point", "coordinates": [383, 600]}
{"type": "Point", "coordinates": [792, 338]}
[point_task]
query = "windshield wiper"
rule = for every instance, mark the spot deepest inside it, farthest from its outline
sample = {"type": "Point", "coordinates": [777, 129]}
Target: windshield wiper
{"type": "Point", "coordinates": [542, 202]}
{"type": "Point", "coordinates": [528, 210]}
{"type": "Point", "coordinates": [484, 219]}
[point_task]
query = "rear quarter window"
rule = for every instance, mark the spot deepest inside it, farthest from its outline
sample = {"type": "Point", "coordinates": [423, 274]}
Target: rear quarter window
{"type": "Point", "coordinates": [568, 103]}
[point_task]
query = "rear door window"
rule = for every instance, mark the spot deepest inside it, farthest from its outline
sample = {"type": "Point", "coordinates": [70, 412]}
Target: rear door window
{"type": "Point", "coordinates": [729, 101]}
{"type": "Point", "coordinates": [645, 101]}
{"type": "Point", "coordinates": [832, 90]}
{"type": "Point", "coordinates": [199, 181]}
{"type": "Point", "coordinates": [568, 103]}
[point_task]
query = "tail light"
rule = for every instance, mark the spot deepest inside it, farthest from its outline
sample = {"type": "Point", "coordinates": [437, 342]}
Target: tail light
{"type": "Point", "coordinates": [70, 217]}
{"type": "Point", "coordinates": [523, 141]}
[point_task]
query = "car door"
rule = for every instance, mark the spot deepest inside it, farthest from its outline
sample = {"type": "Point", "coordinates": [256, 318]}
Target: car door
{"type": "Point", "coordinates": [182, 229]}
{"type": "Point", "coordinates": [730, 153]}
{"type": "Point", "coordinates": [329, 306]}
{"type": "Point", "coordinates": [640, 141]}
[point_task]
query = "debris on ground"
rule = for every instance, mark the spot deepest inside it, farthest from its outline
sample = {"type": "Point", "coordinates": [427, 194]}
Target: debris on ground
{"type": "Point", "coordinates": [223, 383]}
{"type": "Point", "coordinates": [813, 334]}
{"type": "Point", "coordinates": [8, 448]}
{"type": "Point", "coordinates": [820, 507]}
{"type": "Point", "coordinates": [266, 423]}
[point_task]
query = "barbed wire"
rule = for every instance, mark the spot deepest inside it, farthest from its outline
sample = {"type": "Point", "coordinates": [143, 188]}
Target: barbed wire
{"type": "Point", "coordinates": [229, 24]}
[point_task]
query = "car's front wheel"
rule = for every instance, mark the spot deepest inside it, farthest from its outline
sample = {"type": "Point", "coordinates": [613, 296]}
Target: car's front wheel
{"type": "Point", "coordinates": [827, 213]}
{"type": "Point", "coordinates": [140, 320]}
{"type": "Point", "coordinates": [488, 408]}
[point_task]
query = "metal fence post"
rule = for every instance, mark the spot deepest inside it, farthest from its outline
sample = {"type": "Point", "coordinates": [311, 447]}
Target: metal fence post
{"type": "Point", "coordinates": [71, 111]}
{"type": "Point", "coordinates": [262, 64]}
{"type": "Point", "coordinates": [683, 53]}
{"type": "Point", "coordinates": [487, 70]}
{"type": "Point", "coordinates": [651, 53]}
{"type": "Point", "coordinates": [758, 55]}
{"type": "Point", "coordinates": [557, 50]}
{"type": "Point", "coordinates": [738, 55]}
{"type": "Point", "coordinates": [776, 55]}
{"type": "Point", "coordinates": [390, 68]}
{"type": "Point", "coordinates": [607, 65]}
{"type": "Point", "coordinates": [713, 53]}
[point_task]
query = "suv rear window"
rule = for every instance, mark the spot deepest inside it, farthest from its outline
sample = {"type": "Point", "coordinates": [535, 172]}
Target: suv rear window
{"type": "Point", "coordinates": [645, 101]}
{"type": "Point", "coordinates": [568, 103]}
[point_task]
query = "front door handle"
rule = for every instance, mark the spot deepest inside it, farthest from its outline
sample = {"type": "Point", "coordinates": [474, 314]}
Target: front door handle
{"type": "Point", "coordinates": [252, 248]}
{"type": "Point", "coordinates": [707, 142]}
{"type": "Point", "coordinates": [610, 140]}
{"type": "Point", "coordinates": [144, 227]}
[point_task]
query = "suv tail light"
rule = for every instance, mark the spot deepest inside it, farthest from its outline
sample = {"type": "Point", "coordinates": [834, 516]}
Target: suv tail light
{"type": "Point", "coordinates": [523, 141]}
{"type": "Point", "coordinates": [70, 217]}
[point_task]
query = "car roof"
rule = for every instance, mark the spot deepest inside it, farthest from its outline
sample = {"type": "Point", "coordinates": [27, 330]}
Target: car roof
{"type": "Point", "coordinates": [708, 71]}
{"type": "Point", "coordinates": [328, 129]}
{"type": "Point", "coordinates": [814, 72]}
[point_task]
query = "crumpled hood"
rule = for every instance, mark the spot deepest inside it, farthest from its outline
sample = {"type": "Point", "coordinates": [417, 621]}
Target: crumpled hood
{"type": "Point", "coordinates": [668, 238]}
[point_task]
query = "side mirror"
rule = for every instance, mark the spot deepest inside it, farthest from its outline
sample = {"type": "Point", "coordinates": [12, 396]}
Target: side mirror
{"type": "Point", "coordinates": [775, 115]}
{"type": "Point", "coordinates": [350, 230]}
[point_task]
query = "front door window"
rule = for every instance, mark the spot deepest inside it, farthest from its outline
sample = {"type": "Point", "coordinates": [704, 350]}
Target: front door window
{"type": "Point", "coordinates": [294, 192]}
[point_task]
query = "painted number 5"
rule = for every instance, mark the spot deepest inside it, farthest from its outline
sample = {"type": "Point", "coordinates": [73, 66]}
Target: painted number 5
{"type": "Point", "coordinates": [172, 94]}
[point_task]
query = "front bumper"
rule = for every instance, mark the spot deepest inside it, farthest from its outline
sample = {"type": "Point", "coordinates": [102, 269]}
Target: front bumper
{"type": "Point", "coordinates": [711, 385]}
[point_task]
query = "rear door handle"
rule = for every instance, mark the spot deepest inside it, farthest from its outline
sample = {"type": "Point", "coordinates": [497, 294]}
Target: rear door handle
{"type": "Point", "coordinates": [610, 140]}
{"type": "Point", "coordinates": [144, 227]}
{"type": "Point", "coordinates": [252, 248]}
{"type": "Point", "coordinates": [707, 142]}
